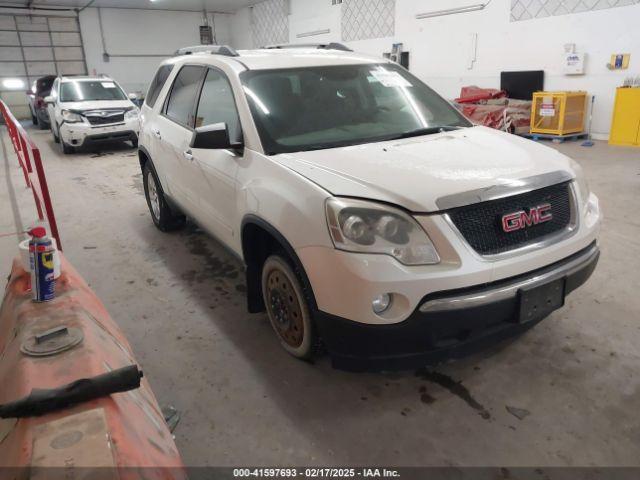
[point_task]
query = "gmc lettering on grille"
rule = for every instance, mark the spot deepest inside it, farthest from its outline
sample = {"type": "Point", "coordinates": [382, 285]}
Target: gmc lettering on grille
{"type": "Point", "coordinates": [512, 222]}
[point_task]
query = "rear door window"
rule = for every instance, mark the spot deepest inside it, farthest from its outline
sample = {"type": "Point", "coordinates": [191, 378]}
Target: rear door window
{"type": "Point", "coordinates": [181, 103]}
{"type": "Point", "coordinates": [157, 83]}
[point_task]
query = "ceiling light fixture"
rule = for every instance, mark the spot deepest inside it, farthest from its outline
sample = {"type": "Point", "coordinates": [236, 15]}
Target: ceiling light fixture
{"type": "Point", "coordinates": [452, 11]}
{"type": "Point", "coordinates": [13, 83]}
{"type": "Point", "coordinates": [313, 33]}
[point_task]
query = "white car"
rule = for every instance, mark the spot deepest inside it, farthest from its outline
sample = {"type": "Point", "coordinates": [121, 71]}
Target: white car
{"type": "Point", "coordinates": [86, 110]}
{"type": "Point", "coordinates": [371, 216]}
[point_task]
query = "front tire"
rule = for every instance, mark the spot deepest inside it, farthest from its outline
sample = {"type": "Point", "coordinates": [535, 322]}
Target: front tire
{"type": "Point", "coordinates": [56, 138]}
{"type": "Point", "coordinates": [287, 308]}
{"type": "Point", "coordinates": [161, 214]}
{"type": "Point", "coordinates": [67, 149]}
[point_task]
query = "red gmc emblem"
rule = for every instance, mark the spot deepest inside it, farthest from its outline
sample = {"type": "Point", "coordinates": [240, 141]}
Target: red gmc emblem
{"type": "Point", "coordinates": [519, 220]}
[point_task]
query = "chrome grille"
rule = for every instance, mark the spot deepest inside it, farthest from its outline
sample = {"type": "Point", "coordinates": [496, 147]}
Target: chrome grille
{"type": "Point", "coordinates": [104, 117]}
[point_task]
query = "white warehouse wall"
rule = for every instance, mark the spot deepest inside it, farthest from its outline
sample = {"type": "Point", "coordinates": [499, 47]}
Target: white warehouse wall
{"type": "Point", "coordinates": [139, 33]}
{"type": "Point", "coordinates": [441, 47]}
{"type": "Point", "coordinates": [240, 29]}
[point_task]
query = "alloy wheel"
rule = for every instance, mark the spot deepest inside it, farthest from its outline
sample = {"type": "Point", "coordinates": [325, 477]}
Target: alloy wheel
{"type": "Point", "coordinates": [154, 198]}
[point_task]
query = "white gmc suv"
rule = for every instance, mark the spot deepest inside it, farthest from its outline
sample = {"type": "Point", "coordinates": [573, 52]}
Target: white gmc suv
{"type": "Point", "coordinates": [371, 216]}
{"type": "Point", "coordinates": [85, 110]}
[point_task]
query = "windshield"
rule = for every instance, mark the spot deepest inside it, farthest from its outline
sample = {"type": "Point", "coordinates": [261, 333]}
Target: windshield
{"type": "Point", "coordinates": [325, 107]}
{"type": "Point", "coordinates": [82, 91]}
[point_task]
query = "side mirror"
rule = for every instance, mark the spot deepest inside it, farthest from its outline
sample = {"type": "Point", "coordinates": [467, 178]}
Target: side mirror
{"type": "Point", "coordinates": [213, 137]}
{"type": "Point", "coordinates": [49, 99]}
{"type": "Point", "coordinates": [132, 96]}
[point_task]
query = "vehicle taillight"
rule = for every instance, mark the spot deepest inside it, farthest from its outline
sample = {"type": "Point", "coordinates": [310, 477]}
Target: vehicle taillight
{"type": "Point", "coordinates": [39, 102]}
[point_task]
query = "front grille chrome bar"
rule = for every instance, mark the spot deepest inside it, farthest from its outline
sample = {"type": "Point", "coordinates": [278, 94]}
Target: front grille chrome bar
{"type": "Point", "coordinates": [502, 190]}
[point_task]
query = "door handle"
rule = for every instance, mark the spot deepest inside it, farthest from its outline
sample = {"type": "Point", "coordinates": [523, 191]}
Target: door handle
{"type": "Point", "coordinates": [156, 133]}
{"type": "Point", "coordinates": [188, 155]}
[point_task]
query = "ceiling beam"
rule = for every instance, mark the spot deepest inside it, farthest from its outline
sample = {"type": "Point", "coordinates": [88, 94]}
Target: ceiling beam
{"type": "Point", "coordinates": [33, 5]}
{"type": "Point", "coordinates": [87, 5]}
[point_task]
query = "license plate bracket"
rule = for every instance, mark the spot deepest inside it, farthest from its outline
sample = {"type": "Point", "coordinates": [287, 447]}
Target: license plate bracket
{"type": "Point", "coordinates": [539, 301]}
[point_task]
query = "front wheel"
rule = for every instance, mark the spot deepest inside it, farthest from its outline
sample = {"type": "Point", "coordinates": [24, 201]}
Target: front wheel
{"type": "Point", "coordinates": [161, 214]}
{"type": "Point", "coordinates": [287, 308]}
{"type": "Point", "coordinates": [56, 138]}
{"type": "Point", "coordinates": [67, 149]}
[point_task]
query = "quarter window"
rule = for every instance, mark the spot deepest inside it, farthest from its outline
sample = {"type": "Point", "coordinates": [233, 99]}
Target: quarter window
{"type": "Point", "coordinates": [217, 105]}
{"type": "Point", "coordinates": [157, 83]}
{"type": "Point", "coordinates": [183, 95]}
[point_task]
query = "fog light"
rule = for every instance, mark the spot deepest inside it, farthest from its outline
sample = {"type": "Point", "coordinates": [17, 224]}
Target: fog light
{"type": "Point", "coordinates": [381, 303]}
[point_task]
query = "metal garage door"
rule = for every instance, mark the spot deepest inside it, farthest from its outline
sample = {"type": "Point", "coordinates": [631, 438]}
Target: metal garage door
{"type": "Point", "coordinates": [32, 47]}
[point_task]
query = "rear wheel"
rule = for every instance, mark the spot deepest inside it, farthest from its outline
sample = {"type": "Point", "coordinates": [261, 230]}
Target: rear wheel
{"type": "Point", "coordinates": [161, 214]}
{"type": "Point", "coordinates": [288, 308]}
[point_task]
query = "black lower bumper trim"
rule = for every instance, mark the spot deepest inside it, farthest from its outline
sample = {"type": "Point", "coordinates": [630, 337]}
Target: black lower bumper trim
{"type": "Point", "coordinates": [430, 337]}
{"type": "Point", "coordinates": [123, 136]}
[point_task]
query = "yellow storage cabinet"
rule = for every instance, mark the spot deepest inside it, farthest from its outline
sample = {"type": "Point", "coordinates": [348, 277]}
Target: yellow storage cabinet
{"type": "Point", "coordinates": [625, 128]}
{"type": "Point", "coordinates": [558, 113]}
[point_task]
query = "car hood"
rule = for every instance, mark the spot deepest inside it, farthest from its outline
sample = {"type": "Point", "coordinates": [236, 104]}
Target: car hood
{"type": "Point", "coordinates": [97, 105]}
{"type": "Point", "coordinates": [415, 172]}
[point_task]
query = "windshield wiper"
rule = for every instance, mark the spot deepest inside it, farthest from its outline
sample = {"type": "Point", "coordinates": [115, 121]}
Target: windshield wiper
{"type": "Point", "coordinates": [360, 141]}
{"type": "Point", "coordinates": [427, 131]}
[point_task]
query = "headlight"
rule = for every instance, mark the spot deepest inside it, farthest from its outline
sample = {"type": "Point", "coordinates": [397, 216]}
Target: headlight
{"type": "Point", "coordinates": [581, 182]}
{"type": "Point", "coordinates": [367, 227]}
{"type": "Point", "coordinates": [132, 114]}
{"type": "Point", "coordinates": [71, 117]}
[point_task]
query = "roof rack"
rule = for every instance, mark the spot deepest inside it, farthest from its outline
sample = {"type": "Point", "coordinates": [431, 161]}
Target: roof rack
{"type": "Point", "coordinates": [213, 49]}
{"type": "Point", "coordinates": [320, 46]}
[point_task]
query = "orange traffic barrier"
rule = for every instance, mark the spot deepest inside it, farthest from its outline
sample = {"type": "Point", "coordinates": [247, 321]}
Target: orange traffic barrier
{"type": "Point", "coordinates": [53, 344]}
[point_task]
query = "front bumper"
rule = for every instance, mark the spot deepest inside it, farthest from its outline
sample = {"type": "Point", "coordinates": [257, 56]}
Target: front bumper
{"type": "Point", "coordinates": [447, 324]}
{"type": "Point", "coordinates": [79, 134]}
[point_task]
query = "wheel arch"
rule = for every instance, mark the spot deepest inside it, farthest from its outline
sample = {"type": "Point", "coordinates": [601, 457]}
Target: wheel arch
{"type": "Point", "coordinates": [145, 159]}
{"type": "Point", "coordinates": [259, 240]}
{"type": "Point", "coordinates": [143, 156]}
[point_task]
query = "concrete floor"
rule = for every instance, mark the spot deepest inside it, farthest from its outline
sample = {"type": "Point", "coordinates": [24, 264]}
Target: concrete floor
{"type": "Point", "coordinates": [179, 298]}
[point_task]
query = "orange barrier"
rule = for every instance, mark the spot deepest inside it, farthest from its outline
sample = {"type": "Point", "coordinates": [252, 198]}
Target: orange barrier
{"type": "Point", "coordinates": [120, 431]}
{"type": "Point", "coordinates": [27, 152]}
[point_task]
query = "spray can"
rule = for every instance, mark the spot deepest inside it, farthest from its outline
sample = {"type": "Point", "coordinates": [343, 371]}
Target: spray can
{"type": "Point", "coordinates": [41, 259]}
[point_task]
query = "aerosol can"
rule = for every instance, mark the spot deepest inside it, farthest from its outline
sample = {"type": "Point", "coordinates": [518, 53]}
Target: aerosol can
{"type": "Point", "coordinates": [41, 259]}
